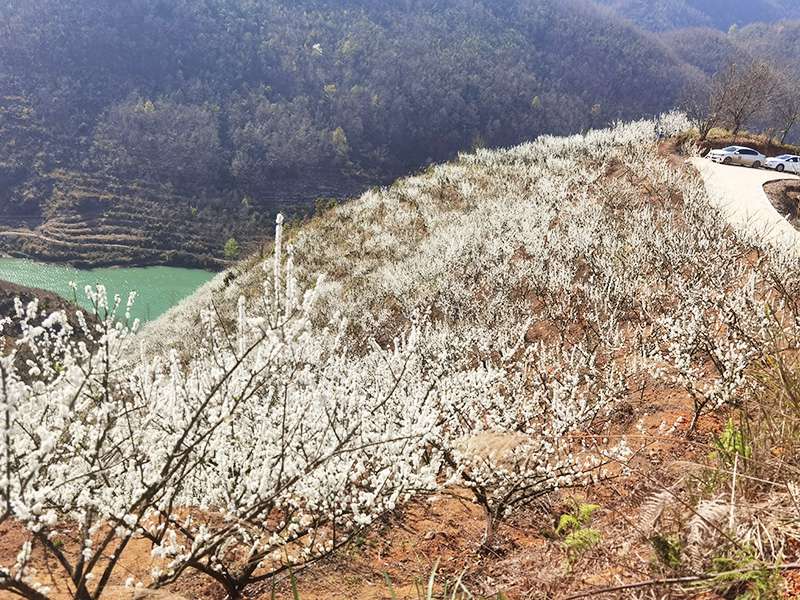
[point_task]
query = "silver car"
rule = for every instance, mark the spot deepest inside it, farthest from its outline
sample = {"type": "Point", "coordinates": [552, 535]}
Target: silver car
{"type": "Point", "coordinates": [785, 162]}
{"type": "Point", "coordinates": [738, 155]}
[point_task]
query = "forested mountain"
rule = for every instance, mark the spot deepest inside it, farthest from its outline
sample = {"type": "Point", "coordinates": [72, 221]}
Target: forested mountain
{"type": "Point", "coordinates": [710, 50]}
{"type": "Point", "coordinates": [663, 15]}
{"type": "Point", "coordinates": [705, 48]}
{"type": "Point", "coordinates": [155, 130]}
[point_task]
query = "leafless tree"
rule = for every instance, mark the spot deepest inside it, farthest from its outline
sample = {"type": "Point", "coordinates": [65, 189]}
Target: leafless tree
{"type": "Point", "coordinates": [743, 91]}
{"type": "Point", "coordinates": [740, 93]}
{"type": "Point", "coordinates": [785, 105]}
{"type": "Point", "coordinates": [703, 104]}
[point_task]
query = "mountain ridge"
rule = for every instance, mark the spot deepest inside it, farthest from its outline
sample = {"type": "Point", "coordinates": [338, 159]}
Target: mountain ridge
{"type": "Point", "coordinates": [719, 14]}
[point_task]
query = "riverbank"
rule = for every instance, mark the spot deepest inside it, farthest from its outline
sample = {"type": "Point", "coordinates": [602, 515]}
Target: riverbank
{"type": "Point", "coordinates": [31, 245]}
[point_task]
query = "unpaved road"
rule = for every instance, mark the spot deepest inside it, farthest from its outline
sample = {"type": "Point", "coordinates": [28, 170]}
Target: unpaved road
{"type": "Point", "coordinates": [739, 194]}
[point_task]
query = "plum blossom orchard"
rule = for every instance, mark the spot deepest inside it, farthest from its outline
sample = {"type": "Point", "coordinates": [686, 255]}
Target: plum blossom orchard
{"type": "Point", "coordinates": [470, 328]}
{"type": "Point", "coordinates": [266, 449]}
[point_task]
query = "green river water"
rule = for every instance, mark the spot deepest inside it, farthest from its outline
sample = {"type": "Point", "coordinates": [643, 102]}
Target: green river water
{"type": "Point", "coordinates": [157, 288]}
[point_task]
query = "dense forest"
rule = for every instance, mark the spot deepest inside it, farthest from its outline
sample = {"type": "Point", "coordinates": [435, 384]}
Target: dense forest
{"type": "Point", "coordinates": [779, 41]}
{"type": "Point", "coordinates": [231, 109]}
{"type": "Point", "coordinates": [239, 94]}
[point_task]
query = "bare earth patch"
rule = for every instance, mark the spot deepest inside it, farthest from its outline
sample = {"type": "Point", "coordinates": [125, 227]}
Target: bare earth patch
{"type": "Point", "coordinates": [785, 197]}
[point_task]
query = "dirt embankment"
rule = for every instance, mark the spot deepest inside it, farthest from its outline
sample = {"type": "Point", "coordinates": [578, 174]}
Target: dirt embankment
{"type": "Point", "coordinates": [785, 197]}
{"type": "Point", "coordinates": [48, 303]}
{"type": "Point", "coordinates": [757, 142]}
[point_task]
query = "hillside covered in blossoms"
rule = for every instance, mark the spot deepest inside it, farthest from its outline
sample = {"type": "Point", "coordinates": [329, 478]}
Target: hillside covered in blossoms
{"type": "Point", "coordinates": [532, 372]}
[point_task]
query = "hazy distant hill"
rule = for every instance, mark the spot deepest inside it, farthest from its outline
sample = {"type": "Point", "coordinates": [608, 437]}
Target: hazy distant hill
{"type": "Point", "coordinates": [664, 15]}
{"type": "Point", "coordinates": [134, 117]}
{"type": "Point", "coordinates": [705, 48]}
{"type": "Point", "coordinates": [710, 49]}
{"type": "Point", "coordinates": [779, 41]}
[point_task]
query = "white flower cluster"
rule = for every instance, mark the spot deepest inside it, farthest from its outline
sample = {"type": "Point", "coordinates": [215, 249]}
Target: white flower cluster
{"type": "Point", "coordinates": [269, 443]}
{"type": "Point", "coordinates": [475, 326]}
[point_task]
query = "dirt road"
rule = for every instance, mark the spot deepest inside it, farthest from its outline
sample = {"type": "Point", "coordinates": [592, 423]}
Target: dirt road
{"type": "Point", "coordinates": [739, 194]}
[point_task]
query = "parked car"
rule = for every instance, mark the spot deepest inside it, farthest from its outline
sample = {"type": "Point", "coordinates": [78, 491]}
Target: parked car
{"type": "Point", "coordinates": [738, 155]}
{"type": "Point", "coordinates": [785, 162]}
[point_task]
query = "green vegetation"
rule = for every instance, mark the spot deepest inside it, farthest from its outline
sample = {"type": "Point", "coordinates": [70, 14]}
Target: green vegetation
{"type": "Point", "coordinates": [668, 550]}
{"type": "Point", "coordinates": [731, 444]}
{"type": "Point", "coordinates": [232, 249]}
{"type": "Point", "coordinates": [744, 577]}
{"type": "Point", "coordinates": [575, 528]}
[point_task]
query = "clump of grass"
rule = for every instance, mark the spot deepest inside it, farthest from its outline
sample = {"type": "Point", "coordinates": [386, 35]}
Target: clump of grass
{"type": "Point", "coordinates": [434, 588]}
{"type": "Point", "coordinates": [742, 576]}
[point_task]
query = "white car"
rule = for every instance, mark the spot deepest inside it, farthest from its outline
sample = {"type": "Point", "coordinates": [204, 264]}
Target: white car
{"type": "Point", "coordinates": [785, 162]}
{"type": "Point", "coordinates": [738, 155]}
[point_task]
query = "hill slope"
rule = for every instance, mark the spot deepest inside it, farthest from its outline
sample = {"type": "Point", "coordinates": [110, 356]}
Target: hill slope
{"type": "Point", "coordinates": [779, 41]}
{"type": "Point", "coordinates": [707, 49]}
{"type": "Point", "coordinates": [510, 256]}
{"type": "Point", "coordinates": [523, 367]}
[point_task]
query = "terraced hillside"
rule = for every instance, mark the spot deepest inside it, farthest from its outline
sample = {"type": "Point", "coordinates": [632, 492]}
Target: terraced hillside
{"type": "Point", "coordinates": [56, 205]}
{"type": "Point", "coordinates": [99, 219]}
{"type": "Point", "coordinates": [53, 210]}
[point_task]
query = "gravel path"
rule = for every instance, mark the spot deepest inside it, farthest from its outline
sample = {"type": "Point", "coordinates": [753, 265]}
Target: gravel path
{"type": "Point", "coordinates": [739, 194]}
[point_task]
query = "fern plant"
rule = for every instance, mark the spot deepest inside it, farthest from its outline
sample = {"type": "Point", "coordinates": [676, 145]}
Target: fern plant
{"type": "Point", "coordinates": [741, 576]}
{"type": "Point", "coordinates": [575, 528]}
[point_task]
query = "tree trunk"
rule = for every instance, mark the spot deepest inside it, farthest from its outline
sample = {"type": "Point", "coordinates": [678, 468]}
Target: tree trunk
{"type": "Point", "coordinates": [19, 588]}
{"type": "Point", "coordinates": [82, 592]}
{"type": "Point", "coordinates": [705, 128]}
{"type": "Point", "coordinates": [489, 529]}
{"type": "Point", "coordinates": [693, 424]}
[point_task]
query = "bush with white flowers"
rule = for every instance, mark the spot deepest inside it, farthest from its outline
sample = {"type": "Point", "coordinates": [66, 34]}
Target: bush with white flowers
{"type": "Point", "coordinates": [265, 449]}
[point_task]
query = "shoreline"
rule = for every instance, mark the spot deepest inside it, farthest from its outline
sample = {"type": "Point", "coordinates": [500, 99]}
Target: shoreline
{"type": "Point", "coordinates": [217, 266]}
